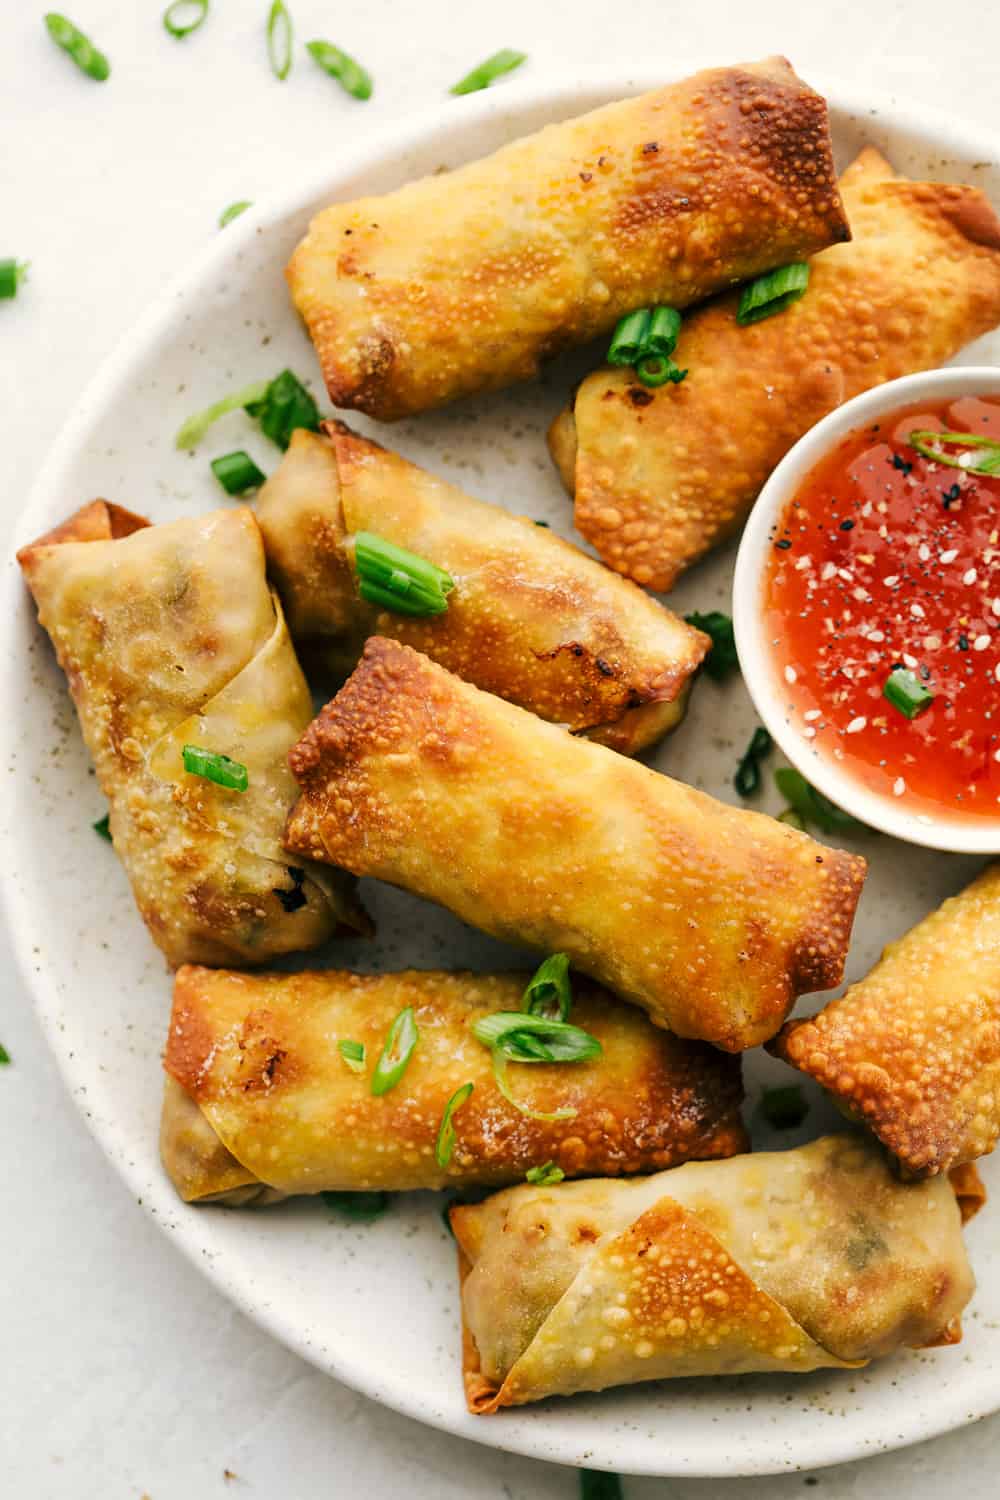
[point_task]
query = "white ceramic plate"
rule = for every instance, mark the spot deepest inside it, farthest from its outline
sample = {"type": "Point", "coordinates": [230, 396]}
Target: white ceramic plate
{"type": "Point", "coordinates": [377, 1305]}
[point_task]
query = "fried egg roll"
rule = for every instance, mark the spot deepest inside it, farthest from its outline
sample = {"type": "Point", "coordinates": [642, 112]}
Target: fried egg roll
{"type": "Point", "coordinates": [531, 618]}
{"type": "Point", "coordinates": [913, 1049]}
{"type": "Point", "coordinates": [261, 1103]}
{"type": "Point", "coordinates": [169, 636]}
{"type": "Point", "coordinates": [467, 280]}
{"type": "Point", "coordinates": [782, 1261]}
{"type": "Point", "coordinates": [661, 476]}
{"type": "Point", "coordinates": [711, 918]}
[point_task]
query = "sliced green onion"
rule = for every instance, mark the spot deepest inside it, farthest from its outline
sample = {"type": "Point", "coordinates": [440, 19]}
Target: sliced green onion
{"type": "Point", "coordinates": [233, 211]}
{"type": "Point", "coordinates": [340, 65]}
{"type": "Point", "coordinates": [4, 1054]}
{"type": "Point", "coordinates": [596, 1485]}
{"type": "Point", "coordinates": [445, 1143]}
{"type": "Point", "coordinates": [747, 778]}
{"type": "Point", "coordinates": [656, 369]}
{"type": "Point", "coordinates": [544, 1176]}
{"type": "Point", "coordinates": [279, 40]}
{"type": "Point", "coordinates": [528, 1038]}
{"type": "Point", "coordinates": [237, 472]}
{"type": "Point", "coordinates": [12, 273]}
{"type": "Point", "coordinates": [773, 292]}
{"type": "Point", "coordinates": [212, 766]}
{"type": "Point", "coordinates": [791, 819]}
{"type": "Point", "coordinates": [285, 405]}
{"type": "Point", "coordinates": [353, 1054]}
{"type": "Point", "coordinates": [504, 61]}
{"type": "Point", "coordinates": [194, 429]}
{"type": "Point", "coordinates": [79, 47]}
{"type": "Point", "coordinates": [500, 1074]}
{"type": "Point", "coordinates": [928, 443]}
{"type": "Point", "coordinates": [628, 342]}
{"type": "Point", "coordinates": [906, 692]}
{"type": "Point", "coordinates": [397, 579]}
{"type": "Point", "coordinates": [185, 16]}
{"type": "Point", "coordinates": [811, 805]}
{"type": "Point", "coordinates": [103, 827]}
{"type": "Point", "coordinates": [663, 331]}
{"type": "Point", "coordinates": [548, 993]}
{"type": "Point", "coordinates": [722, 658]}
{"type": "Point", "coordinates": [360, 1206]}
{"type": "Point", "coordinates": [784, 1108]}
{"type": "Point", "coordinates": [394, 1058]}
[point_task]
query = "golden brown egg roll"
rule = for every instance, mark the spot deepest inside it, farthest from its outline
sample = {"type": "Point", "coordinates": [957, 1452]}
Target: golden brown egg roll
{"type": "Point", "coordinates": [468, 280]}
{"type": "Point", "coordinates": [712, 918]}
{"type": "Point", "coordinates": [261, 1100]}
{"type": "Point", "coordinates": [530, 618]}
{"type": "Point", "coordinates": [169, 635]}
{"type": "Point", "coordinates": [781, 1261]}
{"type": "Point", "coordinates": [661, 476]}
{"type": "Point", "coordinates": [913, 1049]}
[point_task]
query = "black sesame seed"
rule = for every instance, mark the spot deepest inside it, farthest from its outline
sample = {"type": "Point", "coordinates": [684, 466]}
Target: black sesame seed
{"type": "Point", "coordinates": [963, 643]}
{"type": "Point", "coordinates": [783, 545]}
{"type": "Point", "coordinates": [847, 525]}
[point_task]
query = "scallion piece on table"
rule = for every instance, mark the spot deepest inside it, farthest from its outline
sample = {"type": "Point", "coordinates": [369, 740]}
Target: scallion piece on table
{"type": "Point", "coordinates": [237, 472]}
{"type": "Point", "coordinates": [595, 1484]}
{"type": "Point", "coordinates": [811, 805]}
{"type": "Point", "coordinates": [360, 1206]}
{"type": "Point", "coordinates": [905, 691]}
{"type": "Point", "coordinates": [394, 1058]}
{"type": "Point", "coordinates": [12, 273]}
{"type": "Point", "coordinates": [929, 444]}
{"type": "Point", "coordinates": [285, 405]}
{"type": "Point", "coordinates": [722, 658]}
{"type": "Point", "coordinates": [194, 429]}
{"type": "Point", "coordinates": [279, 40]}
{"type": "Point", "coordinates": [628, 342]}
{"type": "Point", "coordinates": [233, 211]}
{"type": "Point", "coordinates": [445, 1143]}
{"type": "Point", "coordinates": [185, 16]}
{"type": "Point", "coordinates": [504, 61]}
{"type": "Point", "coordinates": [784, 1108]}
{"type": "Point", "coordinates": [747, 778]}
{"type": "Point", "coordinates": [212, 766]}
{"type": "Point", "coordinates": [79, 47]}
{"type": "Point", "coordinates": [544, 1176]}
{"type": "Point", "coordinates": [4, 1054]}
{"type": "Point", "coordinates": [397, 579]}
{"type": "Point", "coordinates": [349, 73]}
{"type": "Point", "coordinates": [548, 993]}
{"type": "Point", "coordinates": [353, 1054]}
{"type": "Point", "coordinates": [103, 827]}
{"type": "Point", "coordinates": [527, 1038]}
{"type": "Point", "coordinates": [772, 292]}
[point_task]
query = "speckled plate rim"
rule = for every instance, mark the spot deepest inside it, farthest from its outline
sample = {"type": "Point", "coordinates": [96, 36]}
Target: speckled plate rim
{"type": "Point", "coordinates": [961, 1401]}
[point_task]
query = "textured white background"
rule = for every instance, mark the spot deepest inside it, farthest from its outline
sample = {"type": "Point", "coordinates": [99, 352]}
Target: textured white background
{"type": "Point", "coordinates": [122, 1373]}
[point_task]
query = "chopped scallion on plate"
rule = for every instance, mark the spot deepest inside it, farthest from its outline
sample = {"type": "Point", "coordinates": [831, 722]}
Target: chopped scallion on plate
{"type": "Point", "coordinates": [548, 993]}
{"type": "Point", "coordinates": [103, 827]}
{"type": "Point", "coordinates": [722, 658]}
{"type": "Point", "coordinates": [400, 1042]}
{"type": "Point", "coordinates": [12, 273]}
{"type": "Point", "coordinates": [279, 40]}
{"type": "Point", "coordinates": [399, 580]}
{"type": "Point", "coordinates": [445, 1143]}
{"type": "Point", "coordinates": [233, 211]}
{"type": "Point", "coordinates": [595, 1484]}
{"type": "Point", "coordinates": [212, 766]}
{"type": "Point", "coordinates": [360, 1206]}
{"type": "Point", "coordinates": [784, 1108]}
{"type": "Point", "coordinates": [349, 73]}
{"type": "Point", "coordinates": [810, 805]}
{"type": "Point", "coordinates": [747, 778]}
{"type": "Point", "coordinates": [504, 61]}
{"type": "Point", "coordinates": [353, 1054]}
{"type": "Point", "coordinates": [185, 16]}
{"type": "Point", "coordinates": [772, 292]}
{"type": "Point", "coordinates": [544, 1176]}
{"type": "Point", "coordinates": [237, 472]}
{"type": "Point", "coordinates": [77, 46]}
{"type": "Point", "coordinates": [4, 1055]}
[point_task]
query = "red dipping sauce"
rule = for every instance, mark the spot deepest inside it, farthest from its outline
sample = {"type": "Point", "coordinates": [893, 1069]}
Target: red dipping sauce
{"type": "Point", "coordinates": [885, 558]}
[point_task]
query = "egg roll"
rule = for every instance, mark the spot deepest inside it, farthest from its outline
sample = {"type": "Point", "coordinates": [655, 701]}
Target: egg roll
{"type": "Point", "coordinates": [467, 280]}
{"type": "Point", "coordinates": [531, 618]}
{"type": "Point", "coordinates": [661, 476]}
{"type": "Point", "coordinates": [913, 1049]}
{"type": "Point", "coordinates": [261, 1103]}
{"type": "Point", "coordinates": [712, 918]}
{"type": "Point", "coordinates": [785, 1261]}
{"type": "Point", "coordinates": [170, 636]}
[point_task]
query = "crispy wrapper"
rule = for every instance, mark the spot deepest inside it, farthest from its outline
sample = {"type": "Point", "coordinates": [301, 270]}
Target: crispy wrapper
{"type": "Point", "coordinates": [169, 635]}
{"type": "Point", "coordinates": [468, 280]}
{"type": "Point", "coordinates": [913, 1049]}
{"type": "Point", "coordinates": [259, 1097]}
{"type": "Point", "coordinates": [661, 476]}
{"type": "Point", "coordinates": [711, 918]}
{"type": "Point", "coordinates": [531, 618]}
{"type": "Point", "coordinates": [782, 1261]}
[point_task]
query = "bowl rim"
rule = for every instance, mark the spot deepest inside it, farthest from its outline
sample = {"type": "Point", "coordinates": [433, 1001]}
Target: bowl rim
{"type": "Point", "coordinates": [876, 810]}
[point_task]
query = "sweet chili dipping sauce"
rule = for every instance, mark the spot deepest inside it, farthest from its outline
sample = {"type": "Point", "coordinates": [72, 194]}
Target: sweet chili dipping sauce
{"type": "Point", "coordinates": [888, 562]}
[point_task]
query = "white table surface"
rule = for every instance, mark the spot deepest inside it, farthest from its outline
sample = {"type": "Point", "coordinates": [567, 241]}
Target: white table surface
{"type": "Point", "coordinates": [123, 1373]}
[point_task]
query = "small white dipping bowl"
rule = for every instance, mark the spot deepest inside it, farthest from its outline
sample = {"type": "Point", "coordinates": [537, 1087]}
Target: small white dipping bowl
{"type": "Point", "coordinates": [757, 662]}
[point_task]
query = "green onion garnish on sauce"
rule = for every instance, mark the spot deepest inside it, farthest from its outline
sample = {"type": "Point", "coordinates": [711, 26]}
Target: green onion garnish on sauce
{"type": "Point", "coordinates": [772, 293]}
{"type": "Point", "coordinates": [397, 579]}
{"type": "Point", "coordinates": [4, 1055]}
{"type": "Point", "coordinates": [597, 1485]}
{"type": "Point", "coordinates": [12, 273]}
{"type": "Point", "coordinates": [79, 47]}
{"type": "Point", "coordinates": [353, 1054]}
{"type": "Point", "coordinates": [185, 16]}
{"type": "Point", "coordinates": [279, 40]}
{"type": "Point", "coordinates": [810, 805]}
{"type": "Point", "coordinates": [103, 827]}
{"type": "Point", "coordinates": [529, 1038]}
{"type": "Point", "coordinates": [548, 993]}
{"type": "Point", "coordinates": [360, 1206]}
{"type": "Point", "coordinates": [212, 766]}
{"type": "Point", "coordinates": [747, 778]}
{"type": "Point", "coordinates": [784, 1108]}
{"type": "Point", "coordinates": [445, 1143]}
{"type": "Point", "coordinates": [237, 472]}
{"type": "Point", "coordinates": [906, 692]}
{"type": "Point", "coordinates": [504, 61]}
{"type": "Point", "coordinates": [401, 1039]}
{"type": "Point", "coordinates": [340, 65]}
{"type": "Point", "coordinates": [928, 444]}
{"type": "Point", "coordinates": [722, 658]}
{"type": "Point", "coordinates": [545, 1175]}
{"type": "Point", "coordinates": [233, 211]}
